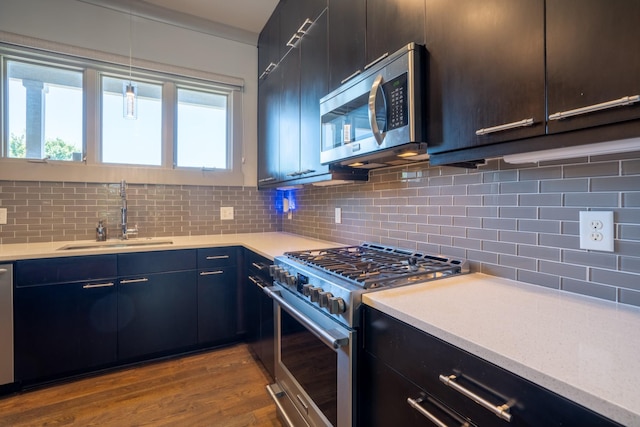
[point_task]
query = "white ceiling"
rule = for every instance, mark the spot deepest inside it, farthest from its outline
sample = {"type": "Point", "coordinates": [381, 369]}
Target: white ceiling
{"type": "Point", "coordinates": [249, 15]}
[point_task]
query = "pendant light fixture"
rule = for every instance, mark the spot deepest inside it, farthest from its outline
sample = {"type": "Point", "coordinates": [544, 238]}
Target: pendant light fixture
{"type": "Point", "coordinates": [130, 89]}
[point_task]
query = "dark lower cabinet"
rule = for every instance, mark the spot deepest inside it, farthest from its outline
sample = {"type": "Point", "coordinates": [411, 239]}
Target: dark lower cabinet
{"type": "Point", "coordinates": [157, 313]}
{"type": "Point", "coordinates": [64, 326]}
{"type": "Point", "coordinates": [217, 305]}
{"type": "Point", "coordinates": [259, 309]}
{"type": "Point", "coordinates": [393, 348]}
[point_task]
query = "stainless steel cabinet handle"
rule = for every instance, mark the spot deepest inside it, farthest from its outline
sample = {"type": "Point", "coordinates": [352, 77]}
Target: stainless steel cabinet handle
{"type": "Point", "coordinates": [307, 23]}
{"type": "Point", "coordinates": [211, 273]}
{"type": "Point", "coordinates": [349, 77]}
{"type": "Point", "coordinates": [256, 282]}
{"type": "Point", "coordinates": [268, 179]}
{"type": "Point", "coordinates": [626, 100]}
{"type": "Point", "coordinates": [97, 285]}
{"type": "Point", "coordinates": [217, 257]}
{"type": "Point", "coordinates": [502, 411]}
{"type": "Point", "coordinates": [329, 338]}
{"type": "Point", "coordinates": [506, 126]}
{"type": "Point", "coordinates": [124, 282]}
{"type": "Point", "coordinates": [415, 404]}
{"type": "Point", "coordinates": [375, 61]}
{"type": "Point", "coordinates": [259, 266]}
{"type": "Point", "coordinates": [3, 270]}
{"type": "Point", "coordinates": [296, 37]}
{"type": "Point", "coordinates": [272, 66]}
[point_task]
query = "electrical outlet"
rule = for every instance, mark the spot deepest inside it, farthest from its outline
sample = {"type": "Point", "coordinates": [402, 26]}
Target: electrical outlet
{"type": "Point", "coordinates": [596, 230]}
{"type": "Point", "coordinates": [3, 215]}
{"type": "Point", "coordinates": [338, 215]}
{"type": "Point", "coordinates": [226, 213]}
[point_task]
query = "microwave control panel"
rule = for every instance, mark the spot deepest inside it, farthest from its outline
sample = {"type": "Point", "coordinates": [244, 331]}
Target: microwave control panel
{"type": "Point", "coordinates": [395, 92]}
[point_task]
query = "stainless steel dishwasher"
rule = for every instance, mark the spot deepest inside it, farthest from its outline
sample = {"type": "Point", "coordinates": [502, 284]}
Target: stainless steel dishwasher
{"type": "Point", "coordinates": [6, 324]}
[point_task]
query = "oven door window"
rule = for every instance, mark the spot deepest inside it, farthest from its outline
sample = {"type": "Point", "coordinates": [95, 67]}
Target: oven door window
{"type": "Point", "coordinates": [312, 364]}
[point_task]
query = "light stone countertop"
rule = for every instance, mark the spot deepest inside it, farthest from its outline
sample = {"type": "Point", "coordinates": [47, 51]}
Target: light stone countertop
{"type": "Point", "coordinates": [268, 245]}
{"type": "Point", "coordinates": [585, 349]}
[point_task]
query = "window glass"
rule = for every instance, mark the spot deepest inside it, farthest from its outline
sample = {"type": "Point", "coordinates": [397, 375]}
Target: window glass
{"type": "Point", "coordinates": [129, 141]}
{"type": "Point", "coordinates": [44, 111]}
{"type": "Point", "coordinates": [202, 137]}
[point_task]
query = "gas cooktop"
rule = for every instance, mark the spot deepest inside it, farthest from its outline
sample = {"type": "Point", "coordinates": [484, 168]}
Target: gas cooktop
{"type": "Point", "coordinates": [371, 266]}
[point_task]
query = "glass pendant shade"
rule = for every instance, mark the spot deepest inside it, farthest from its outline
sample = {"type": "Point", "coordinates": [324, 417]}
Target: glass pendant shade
{"type": "Point", "coordinates": [130, 100]}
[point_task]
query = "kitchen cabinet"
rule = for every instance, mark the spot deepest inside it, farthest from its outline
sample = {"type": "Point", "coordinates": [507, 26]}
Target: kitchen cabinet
{"type": "Point", "coordinates": [259, 309]}
{"type": "Point", "coordinates": [486, 72]}
{"type": "Point", "coordinates": [157, 303]}
{"type": "Point", "coordinates": [362, 31]}
{"type": "Point", "coordinates": [346, 39]}
{"type": "Point", "coordinates": [268, 130]}
{"type": "Point", "coordinates": [592, 59]}
{"type": "Point", "coordinates": [65, 316]}
{"type": "Point", "coordinates": [218, 299]}
{"type": "Point", "coordinates": [445, 373]}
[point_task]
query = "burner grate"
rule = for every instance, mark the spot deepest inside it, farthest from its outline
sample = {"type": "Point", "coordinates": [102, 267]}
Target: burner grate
{"type": "Point", "coordinates": [372, 266]}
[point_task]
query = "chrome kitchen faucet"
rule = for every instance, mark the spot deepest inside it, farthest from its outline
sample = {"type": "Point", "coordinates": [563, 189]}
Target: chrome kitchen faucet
{"type": "Point", "coordinates": [123, 211]}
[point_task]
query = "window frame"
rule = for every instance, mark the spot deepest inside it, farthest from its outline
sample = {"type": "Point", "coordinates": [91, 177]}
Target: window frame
{"type": "Point", "coordinates": [91, 168]}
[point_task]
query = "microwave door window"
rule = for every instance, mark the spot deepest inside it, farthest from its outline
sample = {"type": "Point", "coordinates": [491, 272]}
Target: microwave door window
{"type": "Point", "coordinates": [346, 124]}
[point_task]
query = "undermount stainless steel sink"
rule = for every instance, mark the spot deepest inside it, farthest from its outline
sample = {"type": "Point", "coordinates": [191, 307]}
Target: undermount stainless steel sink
{"type": "Point", "coordinates": [115, 244]}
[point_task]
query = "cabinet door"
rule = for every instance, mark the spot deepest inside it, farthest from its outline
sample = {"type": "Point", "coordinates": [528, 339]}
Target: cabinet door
{"type": "Point", "coordinates": [313, 84]}
{"type": "Point", "coordinates": [269, 130]}
{"type": "Point", "coordinates": [392, 24]}
{"type": "Point", "coordinates": [346, 39]}
{"type": "Point", "coordinates": [486, 69]}
{"type": "Point", "coordinates": [269, 42]}
{"type": "Point", "coordinates": [289, 73]}
{"type": "Point", "coordinates": [591, 59]}
{"type": "Point", "coordinates": [217, 305]}
{"type": "Point", "coordinates": [157, 313]}
{"type": "Point", "coordinates": [64, 329]}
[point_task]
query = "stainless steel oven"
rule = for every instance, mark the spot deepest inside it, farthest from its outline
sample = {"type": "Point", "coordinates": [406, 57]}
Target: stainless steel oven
{"type": "Point", "coordinates": [314, 357]}
{"type": "Point", "coordinates": [316, 297]}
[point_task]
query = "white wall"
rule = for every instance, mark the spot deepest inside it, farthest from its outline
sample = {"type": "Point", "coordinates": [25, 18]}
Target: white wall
{"type": "Point", "coordinates": [84, 25]}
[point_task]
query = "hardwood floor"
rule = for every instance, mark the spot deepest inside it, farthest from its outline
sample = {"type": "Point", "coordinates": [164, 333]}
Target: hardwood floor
{"type": "Point", "coordinates": [224, 387]}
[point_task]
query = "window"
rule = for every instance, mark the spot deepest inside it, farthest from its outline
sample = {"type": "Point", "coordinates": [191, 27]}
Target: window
{"type": "Point", "coordinates": [129, 141]}
{"type": "Point", "coordinates": [202, 130]}
{"type": "Point", "coordinates": [67, 110]}
{"type": "Point", "coordinates": [44, 112]}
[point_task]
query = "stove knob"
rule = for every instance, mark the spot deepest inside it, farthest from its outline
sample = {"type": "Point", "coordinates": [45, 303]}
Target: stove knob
{"type": "Point", "coordinates": [306, 290]}
{"type": "Point", "coordinates": [315, 294]}
{"type": "Point", "coordinates": [273, 271]}
{"type": "Point", "coordinates": [291, 279]}
{"type": "Point", "coordinates": [336, 305]}
{"type": "Point", "coordinates": [324, 299]}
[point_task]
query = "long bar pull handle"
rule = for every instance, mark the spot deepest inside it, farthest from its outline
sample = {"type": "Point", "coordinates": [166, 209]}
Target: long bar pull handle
{"type": "Point", "coordinates": [506, 126]}
{"type": "Point", "coordinates": [256, 282]}
{"type": "Point", "coordinates": [124, 282]}
{"type": "Point", "coordinates": [211, 273]}
{"type": "Point", "coordinates": [330, 338]}
{"type": "Point", "coordinates": [415, 404]}
{"type": "Point", "coordinates": [375, 61]}
{"type": "Point", "coordinates": [260, 267]}
{"type": "Point", "coordinates": [267, 179]}
{"type": "Point", "coordinates": [307, 23]}
{"type": "Point", "coordinates": [502, 411]}
{"type": "Point", "coordinates": [218, 257]}
{"type": "Point", "coordinates": [97, 285]}
{"type": "Point", "coordinates": [3, 270]}
{"type": "Point", "coordinates": [294, 39]}
{"type": "Point", "coordinates": [349, 77]}
{"type": "Point", "coordinates": [625, 100]}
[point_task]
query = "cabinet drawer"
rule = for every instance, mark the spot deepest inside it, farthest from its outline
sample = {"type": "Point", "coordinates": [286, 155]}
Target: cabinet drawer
{"type": "Point", "coordinates": [217, 257]}
{"type": "Point", "coordinates": [64, 270]}
{"type": "Point", "coordinates": [423, 359]}
{"type": "Point", "coordinates": [156, 262]}
{"type": "Point", "coordinates": [258, 265]}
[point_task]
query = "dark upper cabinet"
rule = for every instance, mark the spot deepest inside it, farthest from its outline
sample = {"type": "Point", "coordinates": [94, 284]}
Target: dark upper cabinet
{"type": "Point", "coordinates": [592, 59]}
{"type": "Point", "coordinates": [269, 50]}
{"type": "Point", "coordinates": [486, 69]}
{"type": "Point", "coordinates": [346, 39]}
{"type": "Point", "coordinates": [269, 129]}
{"type": "Point", "coordinates": [362, 31]}
{"type": "Point", "coordinates": [289, 74]}
{"type": "Point", "coordinates": [392, 24]}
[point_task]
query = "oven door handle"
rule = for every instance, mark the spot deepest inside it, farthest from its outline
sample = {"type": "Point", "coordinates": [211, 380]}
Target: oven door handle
{"type": "Point", "coordinates": [331, 338]}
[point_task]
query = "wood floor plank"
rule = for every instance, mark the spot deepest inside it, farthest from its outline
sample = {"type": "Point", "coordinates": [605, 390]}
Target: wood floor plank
{"type": "Point", "coordinates": [223, 387]}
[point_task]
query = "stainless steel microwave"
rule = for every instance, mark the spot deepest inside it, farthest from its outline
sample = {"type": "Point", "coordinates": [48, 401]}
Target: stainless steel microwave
{"type": "Point", "coordinates": [378, 117]}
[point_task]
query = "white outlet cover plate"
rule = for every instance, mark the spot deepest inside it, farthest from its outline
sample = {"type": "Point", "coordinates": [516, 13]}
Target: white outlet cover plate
{"type": "Point", "coordinates": [599, 223]}
{"type": "Point", "coordinates": [3, 215]}
{"type": "Point", "coordinates": [226, 213]}
{"type": "Point", "coordinates": [338, 216]}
